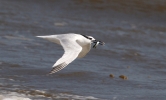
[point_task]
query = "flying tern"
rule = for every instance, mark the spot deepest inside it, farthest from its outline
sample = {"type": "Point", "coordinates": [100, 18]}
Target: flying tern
{"type": "Point", "coordinates": [74, 45]}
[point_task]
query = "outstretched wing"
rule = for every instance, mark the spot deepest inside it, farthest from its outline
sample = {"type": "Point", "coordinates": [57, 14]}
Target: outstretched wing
{"type": "Point", "coordinates": [72, 50]}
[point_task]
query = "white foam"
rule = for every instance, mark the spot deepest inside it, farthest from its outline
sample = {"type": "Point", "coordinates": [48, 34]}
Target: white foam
{"type": "Point", "coordinates": [28, 95]}
{"type": "Point", "coordinates": [13, 96]}
{"type": "Point", "coordinates": [69, 96]}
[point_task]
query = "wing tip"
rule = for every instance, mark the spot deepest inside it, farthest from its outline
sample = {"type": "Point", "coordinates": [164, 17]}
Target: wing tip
{"type": "Point", "coordinates": [52, 71]}
{"type": "Point", "coordinates": [40, 36]}
{"type": "Point", "coordinates": [57, 68]}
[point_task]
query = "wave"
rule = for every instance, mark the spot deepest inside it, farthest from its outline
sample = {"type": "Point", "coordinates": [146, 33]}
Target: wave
{"type": "Point", "coordinates": [13, 96]}
{"type": "Point", "coordinates": [42, 95]}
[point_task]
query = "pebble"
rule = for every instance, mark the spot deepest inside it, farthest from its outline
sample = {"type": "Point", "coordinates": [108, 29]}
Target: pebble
{"type": "Point", "coordinates": [123, 77]}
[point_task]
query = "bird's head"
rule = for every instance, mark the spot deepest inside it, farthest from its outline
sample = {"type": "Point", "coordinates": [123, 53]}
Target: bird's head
{"type": "Point", "coordinates": [93, 40]}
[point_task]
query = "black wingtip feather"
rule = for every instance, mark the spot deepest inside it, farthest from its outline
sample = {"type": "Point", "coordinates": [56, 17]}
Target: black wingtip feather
{"type": "Point", "coordinates": [57, 68]}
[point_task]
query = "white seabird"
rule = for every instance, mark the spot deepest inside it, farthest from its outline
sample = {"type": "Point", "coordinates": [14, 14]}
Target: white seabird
{"type": "Point", "coordinates": [74, 45]}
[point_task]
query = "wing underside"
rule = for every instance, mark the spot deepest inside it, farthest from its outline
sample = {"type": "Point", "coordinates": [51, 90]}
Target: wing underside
{"type": "Point", "coordinates": [72, 50]}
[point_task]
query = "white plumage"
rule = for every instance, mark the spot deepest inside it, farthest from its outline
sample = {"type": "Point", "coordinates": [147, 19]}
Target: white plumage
{"type": "Point", "coordinates": [74, 45]}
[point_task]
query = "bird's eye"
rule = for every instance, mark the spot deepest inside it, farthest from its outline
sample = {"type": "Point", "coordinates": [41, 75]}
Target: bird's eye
{"type": "Point", "coordinates": [90, 38]}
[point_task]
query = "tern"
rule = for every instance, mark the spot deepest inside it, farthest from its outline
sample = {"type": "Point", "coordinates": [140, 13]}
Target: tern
{"type": "Point", "coordinates": [74, 45]}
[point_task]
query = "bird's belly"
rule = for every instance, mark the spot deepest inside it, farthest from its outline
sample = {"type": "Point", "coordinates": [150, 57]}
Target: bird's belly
{"type": "Point", "coordinates": [82, 43]}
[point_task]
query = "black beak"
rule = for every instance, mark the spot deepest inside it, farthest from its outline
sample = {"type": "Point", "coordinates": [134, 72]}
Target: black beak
{"type": "Point", "coordinates": [97, 42]}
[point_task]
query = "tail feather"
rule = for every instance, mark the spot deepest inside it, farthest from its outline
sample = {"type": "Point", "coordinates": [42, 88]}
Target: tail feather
{"type": "Point", "coordinates": [51, 38]}
{"type": "Point", "coordinates": [44, 36]}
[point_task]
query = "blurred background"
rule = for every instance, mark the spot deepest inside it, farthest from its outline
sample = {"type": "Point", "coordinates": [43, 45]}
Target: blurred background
{"type": "Point", "coordinates": [134, 32]}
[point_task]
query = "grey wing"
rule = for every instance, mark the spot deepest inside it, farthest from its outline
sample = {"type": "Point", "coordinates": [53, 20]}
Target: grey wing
{"type": "Point", "coordinates": [72, 50]}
